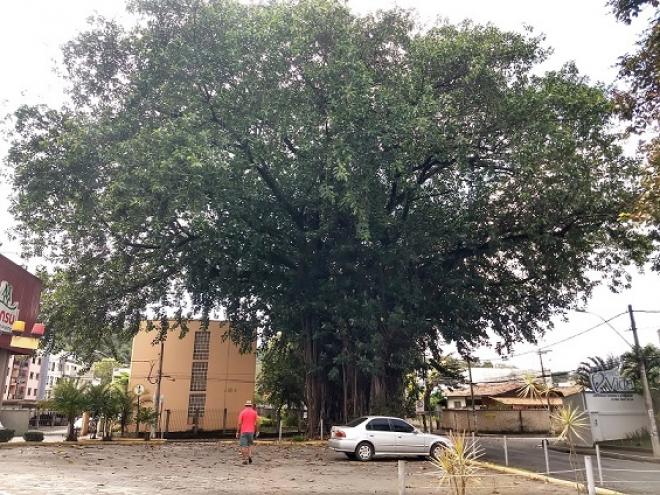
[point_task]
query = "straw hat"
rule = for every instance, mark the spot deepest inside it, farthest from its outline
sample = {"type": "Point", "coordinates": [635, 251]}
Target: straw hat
{"type": "Point", "coordinates": [248, 403]}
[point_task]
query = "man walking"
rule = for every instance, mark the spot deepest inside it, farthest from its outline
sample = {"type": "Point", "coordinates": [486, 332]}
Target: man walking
{"type": "Point", "coordinates": [246, 430]}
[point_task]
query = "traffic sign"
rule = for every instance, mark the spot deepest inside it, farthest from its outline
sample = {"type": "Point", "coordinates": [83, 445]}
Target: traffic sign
{"type": "Point", "coordinates": [139, 390]}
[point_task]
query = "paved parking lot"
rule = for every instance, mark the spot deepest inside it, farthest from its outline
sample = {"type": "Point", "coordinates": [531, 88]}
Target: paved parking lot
{"type": "Point", "coordinates": [210, 468]}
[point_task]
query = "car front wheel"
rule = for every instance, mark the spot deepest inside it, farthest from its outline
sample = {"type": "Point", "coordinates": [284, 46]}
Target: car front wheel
{"type": "Point", "coordinates": [364, 451]}
{"type": "Point", "coordinates": [436, 450]}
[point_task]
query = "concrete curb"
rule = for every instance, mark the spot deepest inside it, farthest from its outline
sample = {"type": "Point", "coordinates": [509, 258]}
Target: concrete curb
{"type": "Point", "coordinates": [608, 453]}
{"type": "Point", "coordinates": [81, 443]}
{"type": "Point", "coordinates": [539, 477]}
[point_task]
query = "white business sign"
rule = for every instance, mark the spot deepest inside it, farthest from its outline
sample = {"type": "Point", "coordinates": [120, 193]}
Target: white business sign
{"type": "Point", "coordinates": [610, 381]}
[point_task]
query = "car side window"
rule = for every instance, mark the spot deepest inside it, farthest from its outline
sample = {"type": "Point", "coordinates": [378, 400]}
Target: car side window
{"type": "Point", "coordinates": [401, 426]}
{"type": "Point", "coordinates": [378, 424]}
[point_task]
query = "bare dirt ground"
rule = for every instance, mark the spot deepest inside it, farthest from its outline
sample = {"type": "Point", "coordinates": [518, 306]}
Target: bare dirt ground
{"type": "Point", "coordinates": [210, 468]}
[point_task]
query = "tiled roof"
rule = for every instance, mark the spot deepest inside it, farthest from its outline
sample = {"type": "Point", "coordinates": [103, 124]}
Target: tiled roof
{"type": "Point", "coordinates": [486, 389]}
{"type": "Point", "coordinates": [528, 401]}
{"type": "Point", "coordinates": [511, 389]}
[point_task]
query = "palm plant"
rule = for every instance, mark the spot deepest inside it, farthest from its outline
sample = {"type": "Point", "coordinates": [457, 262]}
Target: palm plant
{"type": "Point", "coordinates": [572, 421]}
{"type": "Point", "coordinates": [105, 401]}
{"type": "Point", "coordinates": [592, 365]}
{"type": "Point", "coordinates": [97, 396]}
{"type": "Point", "coordinates": [456, 463]}
{"type": "Point", "coordinates": [69, 399]}
{"type": "Point", "coordinates": [650, 354]}
{"type": "Point", "coordinates": [111, 408]}
{"type": "Point", "coordinates": [126, 401]}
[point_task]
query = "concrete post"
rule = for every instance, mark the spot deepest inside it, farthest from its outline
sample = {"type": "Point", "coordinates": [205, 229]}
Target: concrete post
{"type": "Point", "coordinates": [402, 477]}
{"type": "Point", "coordinates": [279, 427]}
{"type": "Point", "coordinates": [600, 465]}
{"type": "Point", "coordinates": [589, 470]}
{"type": "Point", "coordinates": [547, 458]}
{"type": "Point", "coordinates": [506, 452]}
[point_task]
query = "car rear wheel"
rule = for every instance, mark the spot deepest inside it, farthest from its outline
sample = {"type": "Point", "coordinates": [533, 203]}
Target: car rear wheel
{"type": "Point", "coordinates": [364, 451]}
{"type": "Point", "coordinates": [436, 450]}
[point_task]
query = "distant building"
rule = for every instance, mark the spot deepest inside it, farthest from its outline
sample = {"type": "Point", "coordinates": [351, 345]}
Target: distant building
{"type": "Point", "coordinates": [23, 378]}
{"type": "Point", "coordinates": [505, 395]}
{"type": "Point", "coordinates": [500, 373]}
{"type": "Point", "coordinates": [32, 378]}
{"type": "Point", "coordinates": [205, 380]}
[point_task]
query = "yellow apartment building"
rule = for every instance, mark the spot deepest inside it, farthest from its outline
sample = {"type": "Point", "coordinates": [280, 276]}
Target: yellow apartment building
{"type": "Point", "coordinates": [204, 380]}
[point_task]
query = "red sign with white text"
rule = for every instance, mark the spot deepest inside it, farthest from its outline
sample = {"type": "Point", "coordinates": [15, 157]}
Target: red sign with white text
{"type": "Point", "coordinates": [20, 292]}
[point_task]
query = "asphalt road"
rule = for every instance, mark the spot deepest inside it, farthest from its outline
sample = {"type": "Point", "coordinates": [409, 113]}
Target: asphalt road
{"type": "Point", "coordinates": [624, 476]}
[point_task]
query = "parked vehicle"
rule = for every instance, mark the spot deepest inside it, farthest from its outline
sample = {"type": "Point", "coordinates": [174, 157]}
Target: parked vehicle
{"type": "Point", "coordinates": [373, 436]}
{"type": "Point", "coordinates": [48, 419]}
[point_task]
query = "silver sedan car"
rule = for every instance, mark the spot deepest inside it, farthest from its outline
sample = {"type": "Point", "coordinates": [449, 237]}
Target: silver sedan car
{"type": "Point", "coordinates": [369, 436]}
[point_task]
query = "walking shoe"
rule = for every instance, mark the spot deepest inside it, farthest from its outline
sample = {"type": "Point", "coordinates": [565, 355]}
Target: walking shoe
{"type": "Point", "coordinates": [245, 462]}
{"type": "Point", "coordinates": [250, 460]}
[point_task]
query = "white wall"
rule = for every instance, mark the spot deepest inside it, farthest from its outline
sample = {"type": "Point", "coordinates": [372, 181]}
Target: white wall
{"type": "Point", "coordinates": [456, 402]}
{"type": "Point", "coordinates": [615, 416]}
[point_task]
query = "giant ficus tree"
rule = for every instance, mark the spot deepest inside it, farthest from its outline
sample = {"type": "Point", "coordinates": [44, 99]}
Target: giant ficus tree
{"type": "Point", "coordinates": [361, 184]}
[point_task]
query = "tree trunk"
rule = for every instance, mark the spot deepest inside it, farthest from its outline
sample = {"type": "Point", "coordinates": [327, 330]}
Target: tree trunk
{"type": "Point", "coordinates": [312, 381]}
{"type": "Point", "coordinates": [71, 433]}
{"type": "Point", "coordinates": [378, 395]}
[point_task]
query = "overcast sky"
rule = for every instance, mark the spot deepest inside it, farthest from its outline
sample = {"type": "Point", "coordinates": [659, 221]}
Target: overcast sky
{"type": "Point", "coordinates": [32, 32]}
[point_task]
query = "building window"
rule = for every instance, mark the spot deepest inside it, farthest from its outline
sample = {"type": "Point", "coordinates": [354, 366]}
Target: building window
{"type": "Point", "coordinates": [201, 349]}
{"type": "Point", "coordinates": [458, 404]}
{"type": "Point", "coordinates": [198, 378]}
{"type": "Point", "coordinates": [37, 376]}
{"type": "Point", "coordinates": [29, 391]}
{"type": "Point", "coordinates": [196, 405]}
{"type": "Point", "coordinates": [31, 375]}
{"type": "Point", "coordinates": [39, 360]}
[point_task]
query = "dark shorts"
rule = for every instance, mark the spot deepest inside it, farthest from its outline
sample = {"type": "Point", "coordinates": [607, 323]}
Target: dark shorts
{"type": "Point", "coordinates": [246, 439]}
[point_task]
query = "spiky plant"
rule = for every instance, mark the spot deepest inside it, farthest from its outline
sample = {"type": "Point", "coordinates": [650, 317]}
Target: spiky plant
{"type": "Point", "coordinates": [572, 422]}
{"type": "Point", "coordinates": [537, 390]}
{"type": "Point", "coordinates": [456, 463]}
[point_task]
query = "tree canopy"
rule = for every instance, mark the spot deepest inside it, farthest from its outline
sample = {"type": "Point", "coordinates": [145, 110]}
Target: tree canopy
{"type": "Point", "coordinates": [366, 186]}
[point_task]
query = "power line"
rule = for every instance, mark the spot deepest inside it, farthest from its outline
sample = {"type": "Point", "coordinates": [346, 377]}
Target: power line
{"type": "Point", "coordinates": [604, 322]}
{"type": "Point", "coordinates": [566, 339]}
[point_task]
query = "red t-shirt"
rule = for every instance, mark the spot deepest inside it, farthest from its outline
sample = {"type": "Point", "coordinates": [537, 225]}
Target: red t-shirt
{"type": "Point", "coordinates": [248, 420]}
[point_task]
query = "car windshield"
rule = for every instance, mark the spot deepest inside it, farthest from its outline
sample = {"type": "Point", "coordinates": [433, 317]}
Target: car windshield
{"type": "Point", "coordinates": [356, 422]}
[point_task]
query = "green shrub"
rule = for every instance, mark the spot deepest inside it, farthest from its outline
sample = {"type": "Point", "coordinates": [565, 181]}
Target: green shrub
{"type": "Point", "coordinates": [6, 434]}
{"type": "Point", "coordinates": [33, 436]}
{"type": "Point", "coordinates": [291, 419]}
{"type": "Point", "coordinates": [298, 438]}
{"type": "Point", "coordinates": [266, 422]}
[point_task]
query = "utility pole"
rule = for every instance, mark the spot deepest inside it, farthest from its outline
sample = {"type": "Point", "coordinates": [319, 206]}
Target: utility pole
{"type": "Point", "coordinates": [540, 353]}
{"type": "Point", "coordinates": [653, 431]}
{"type": "Point", "coordinates": [474, 412]}
{"type": "Point", "coordinates": [547, 388]}
{"type": "Point", "coordinates": [158, 380]}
